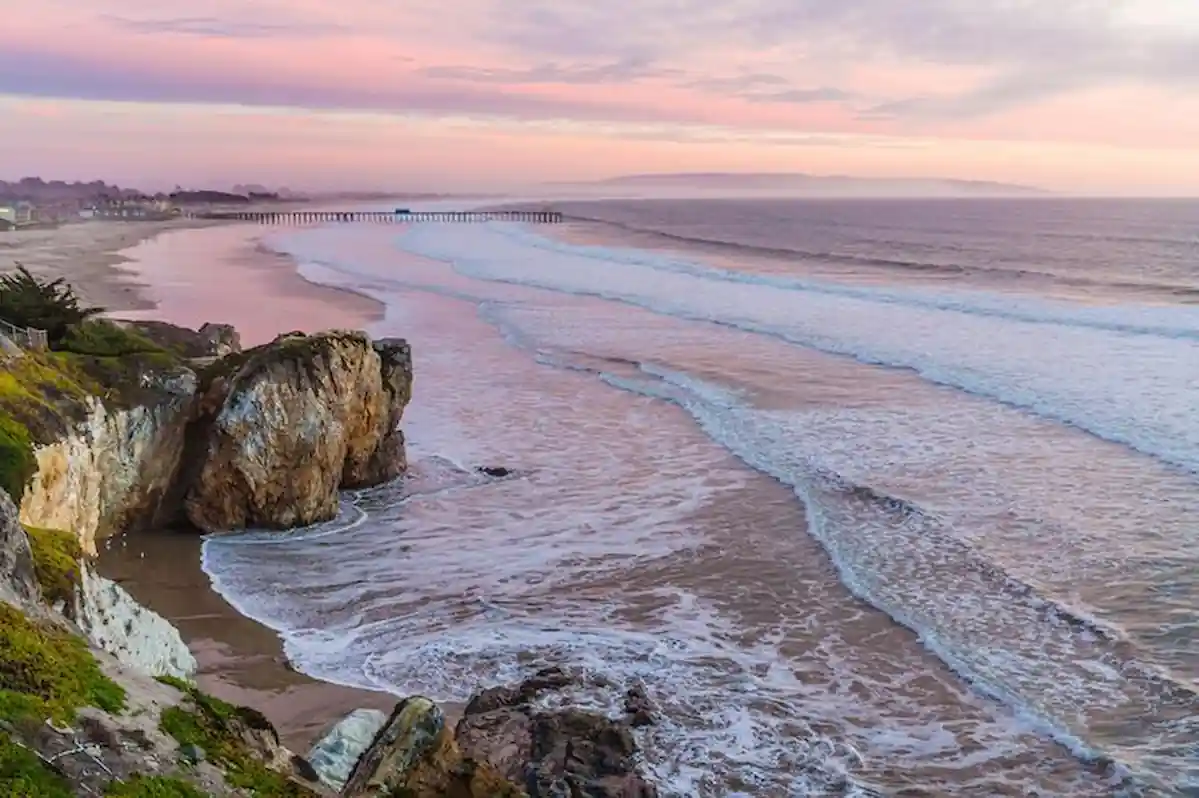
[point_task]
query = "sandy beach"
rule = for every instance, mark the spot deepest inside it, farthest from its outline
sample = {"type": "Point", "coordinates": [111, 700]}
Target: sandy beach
{"type": "Point", "coordinates": [187, 273]}
{"type": "Point", "coordinates": [89, 255]}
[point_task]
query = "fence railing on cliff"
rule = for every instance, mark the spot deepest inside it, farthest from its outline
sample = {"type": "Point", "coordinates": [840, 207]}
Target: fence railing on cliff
{"type": "Point", "coordinates": [27, 337]}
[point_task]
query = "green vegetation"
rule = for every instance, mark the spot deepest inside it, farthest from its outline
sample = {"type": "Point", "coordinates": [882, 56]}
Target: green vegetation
{"type": "Point", "coordinates": [47, 672]}
{"type": "Point", "coordinates": [103, 338]}
{"type": "Point", "coordinates": [17, 464]}
{"type": "Point", "coordinates": [49, 305]}
{"type": "Point", "coordinates": [23, 775]}
{"type": "Point", "coordinates": [56, 556]}
{"type": "Point", "coordinates": [153, 787]}
{"type": "Point", "coordinates": [219, 729]}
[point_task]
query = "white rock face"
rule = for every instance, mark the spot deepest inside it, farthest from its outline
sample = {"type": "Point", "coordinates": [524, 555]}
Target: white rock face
{"type": "Point", "coordinates": [335, 755]}
{"type": "Point", "coordinates": [137, 637]}
{"type": "Point", "coordinates": [112, 468]}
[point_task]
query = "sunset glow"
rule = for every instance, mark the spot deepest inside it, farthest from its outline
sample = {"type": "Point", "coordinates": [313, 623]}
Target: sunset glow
{"type": "Point", "coordinates": [1094, 95]}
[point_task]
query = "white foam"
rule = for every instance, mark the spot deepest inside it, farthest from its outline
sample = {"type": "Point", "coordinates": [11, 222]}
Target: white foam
{"type": "Point", "coordinates": [461, 581]}
{"type": "Point", "coordinates": [1130, 388]}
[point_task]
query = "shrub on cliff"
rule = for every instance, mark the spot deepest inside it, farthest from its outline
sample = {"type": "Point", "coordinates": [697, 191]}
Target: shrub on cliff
{"type": "Point", "coordinates": [49, 305]}
{"type": "Point", "coordinates": [17, 464]}
{"type": "Point", "coordinates": [103, 338]}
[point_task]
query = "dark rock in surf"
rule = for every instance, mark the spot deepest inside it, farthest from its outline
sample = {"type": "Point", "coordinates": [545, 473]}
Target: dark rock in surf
{"type": "Point", "coordinates": [555, 752]}
{"type": "Point", "coordinates": [494, 471]}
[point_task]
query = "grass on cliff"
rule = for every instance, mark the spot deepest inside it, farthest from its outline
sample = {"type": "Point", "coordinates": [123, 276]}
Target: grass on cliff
{"type": "Point", "coordinates": [23, 775]}
{"type": "Point", "coordinates": [140, 786]}
{"type": "Point", "coordinates": [44, 394]}
{"type": "Point", "coordinates": [216, 727]}
{"type": "Point", "coordinates": [56, 556]}
{"type": "Point", "coordinates": [48, 672]}
{"type": "Point", "coordinates": [17, 464]}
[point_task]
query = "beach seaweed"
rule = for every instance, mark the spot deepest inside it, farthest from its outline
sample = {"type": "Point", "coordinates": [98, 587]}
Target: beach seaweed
{"type": "Point", "coordinates": [216, 727]}
{"type": "Point", "coordinates": [56, 558]}
{"type": "Point", "coordinates": [48, 672]}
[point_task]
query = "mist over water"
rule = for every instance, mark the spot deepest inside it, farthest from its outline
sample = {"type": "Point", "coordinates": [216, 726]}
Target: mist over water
{"type": "Point", "coordinates": [856, 531]}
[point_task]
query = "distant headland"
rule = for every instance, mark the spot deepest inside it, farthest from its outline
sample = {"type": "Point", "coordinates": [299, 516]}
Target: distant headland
{"type": "Point", "coordinates": [802, 184]}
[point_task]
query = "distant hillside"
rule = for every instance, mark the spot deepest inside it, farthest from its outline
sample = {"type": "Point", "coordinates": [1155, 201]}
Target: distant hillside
{"type": "Point", "coordinates": [806, 184]}
{"type": "Point", "coordinates": [38, 191]}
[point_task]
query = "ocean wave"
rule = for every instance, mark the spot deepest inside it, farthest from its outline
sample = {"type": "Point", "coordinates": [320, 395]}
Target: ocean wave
{"type": "Point", "coordinates": [909, 563]}
{"type": "Point", "coordinates": [1124, 319]}
{"type": "Point", "coordinates": [1098, 385]}
{"type": "Point", "coordinates": [905, 265]}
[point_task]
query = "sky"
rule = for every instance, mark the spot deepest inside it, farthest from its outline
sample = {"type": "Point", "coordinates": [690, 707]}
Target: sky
{"type": "Point", "coordinates": [1092, 96]}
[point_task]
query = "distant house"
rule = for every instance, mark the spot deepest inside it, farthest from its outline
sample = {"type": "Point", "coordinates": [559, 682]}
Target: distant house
{"type": "Point", "coordinates": [26, 213]}
{"type": "Point", "coordinates": [8, 213]}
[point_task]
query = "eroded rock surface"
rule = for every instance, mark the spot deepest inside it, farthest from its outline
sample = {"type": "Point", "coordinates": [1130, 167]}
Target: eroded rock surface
{"type": "Point", "coordinates": [284, 426]}
{"type": "Point", "coordinates": [508, 743]}
{"type": "Point", "coordinates": [415, 755]}
{"type": "Point", "coordinates": [109, 471]}
{"type": "Point", "coordinates": [18, 581]}
{"type": "Point", "coordinates": [135, 635]}
{"type": "Point", "coordinates": [555, 752]}
{"type": "Point", "coordinates": [334, 756]}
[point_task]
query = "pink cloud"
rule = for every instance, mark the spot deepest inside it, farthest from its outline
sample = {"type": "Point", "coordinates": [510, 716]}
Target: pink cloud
{"type": "Point", "coordinates": [760, 68]}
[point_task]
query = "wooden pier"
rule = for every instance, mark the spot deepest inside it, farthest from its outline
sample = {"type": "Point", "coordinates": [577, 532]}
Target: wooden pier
{"type": "Point", "coordinates": [399, 216]}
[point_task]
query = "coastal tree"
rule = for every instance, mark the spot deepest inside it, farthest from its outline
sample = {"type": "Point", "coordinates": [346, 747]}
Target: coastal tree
{"type": "Point", "coordinates": [50, 305]}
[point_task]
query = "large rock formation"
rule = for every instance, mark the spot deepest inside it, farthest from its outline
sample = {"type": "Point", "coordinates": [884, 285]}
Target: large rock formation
{"type": "Point", "coordinates": [554, 752]}
{"type": "Point", "coordinates": [284, 426]}
{"type": "Point", "coordinates": [507, 743]}
{"type": "Point", "coordinates": [265, 437]}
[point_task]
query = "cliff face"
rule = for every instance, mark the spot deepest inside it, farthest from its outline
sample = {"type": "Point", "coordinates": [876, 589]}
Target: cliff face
{"type": "Point", "coordinates": [265, 437]}
{"type": "Point", "coordinates": [109, 472]}
{"type": "Point", "coordinates": [283, 427]}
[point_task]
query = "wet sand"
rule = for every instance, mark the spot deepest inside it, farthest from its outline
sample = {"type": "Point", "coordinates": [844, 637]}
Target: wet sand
{"type": "Point", "coordinates": [240, 660]}
{"type": "Point", "coordinates": [224, 275]}
{"type": "Point", "coordinates": [88, 255]}
{"type": "Point", "coordinates": [221, 274]}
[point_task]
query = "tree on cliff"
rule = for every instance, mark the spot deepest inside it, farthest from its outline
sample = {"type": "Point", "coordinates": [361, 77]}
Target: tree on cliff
{"type": "Point", "coordinates": [52, 305]}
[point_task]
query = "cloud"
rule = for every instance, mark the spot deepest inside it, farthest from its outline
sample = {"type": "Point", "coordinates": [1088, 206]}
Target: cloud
{"type": "Point", "coordinates": [31, 73]}
{"type": "Point", "coordinates": [621, 71]}
{"type": "Point", "coordinates": [226, 29]}
{"type": "Point", "coordinates": [1034, 49]}
{"type": "Point", "coordinates": [766, 52]}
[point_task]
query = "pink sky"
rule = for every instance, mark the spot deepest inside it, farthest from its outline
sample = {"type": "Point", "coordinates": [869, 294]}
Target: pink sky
{"type": "Point", "coordinates": [1086, 95]}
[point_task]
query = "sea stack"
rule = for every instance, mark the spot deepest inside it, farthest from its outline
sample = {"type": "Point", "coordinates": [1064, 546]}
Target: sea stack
{"type": "Point", "coordinates": [283, 427]}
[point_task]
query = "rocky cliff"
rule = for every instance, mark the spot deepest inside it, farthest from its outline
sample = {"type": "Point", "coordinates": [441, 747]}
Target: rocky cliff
{"type": "Point", "coordinates": [95, 691]}
{"type": "Point", "coordinates": [265, 437]}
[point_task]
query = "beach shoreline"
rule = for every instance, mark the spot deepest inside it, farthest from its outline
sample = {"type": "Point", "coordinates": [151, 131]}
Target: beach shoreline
{"type": "Point", "coordinates": [189, 272]}
{"type": "Point", "coordinates": [90, 256]}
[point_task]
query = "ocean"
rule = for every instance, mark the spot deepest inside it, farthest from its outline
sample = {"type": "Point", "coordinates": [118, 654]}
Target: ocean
{"type": "Point", "coordinates": [874, 497]}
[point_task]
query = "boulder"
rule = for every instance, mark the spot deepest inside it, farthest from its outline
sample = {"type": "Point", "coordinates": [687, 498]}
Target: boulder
{"type": "Point", "coordinates": [556, 752]}
{"type": "Point", "coordinates": [222, 339]}
{"type": "Point", "coordinates": [414, 755]}
{"type": "Point", "coordinates": [334, 756]}
{"type": "Point", "coordinates": [282, 427]}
